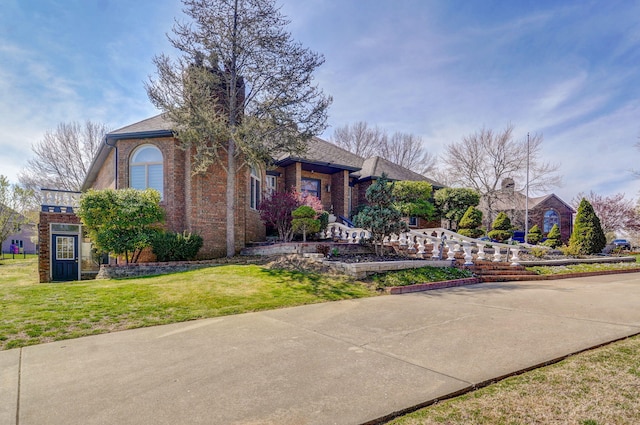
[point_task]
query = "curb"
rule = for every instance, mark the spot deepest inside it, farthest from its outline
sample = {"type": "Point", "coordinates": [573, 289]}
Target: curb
{"type": "Point", "coordinates": [419, 287]}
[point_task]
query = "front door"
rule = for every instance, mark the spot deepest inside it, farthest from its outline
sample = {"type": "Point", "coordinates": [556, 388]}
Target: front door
{"type": "Point", "coordinates": [65, 257]}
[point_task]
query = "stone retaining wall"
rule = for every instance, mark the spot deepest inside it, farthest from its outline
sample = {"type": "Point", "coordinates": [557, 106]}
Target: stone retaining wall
{"type": "Point", "coordinates": [120, 271]}
{"type": "Point", "coordinates": [362, 270]}
{"type": "Point", "coordinates": [305, 248]}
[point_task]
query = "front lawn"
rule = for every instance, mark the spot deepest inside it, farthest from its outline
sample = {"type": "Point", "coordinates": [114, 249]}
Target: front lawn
{"type": "Point", "coordinates": [34, 313]}
{"type": "Point", "coordinates": [598, 387]}
{"type": "Point", "coordinates": [582, 268]}
{"type": "Point", "coordinates": [418, 275]}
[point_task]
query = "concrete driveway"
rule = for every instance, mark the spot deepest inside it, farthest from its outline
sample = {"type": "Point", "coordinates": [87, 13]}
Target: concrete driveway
{"type": "Point", "coordinates": [348, 362]}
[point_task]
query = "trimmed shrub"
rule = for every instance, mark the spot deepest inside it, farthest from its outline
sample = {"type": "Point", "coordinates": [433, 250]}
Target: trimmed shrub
{"type": "Point", "coordinates": [304, 221]}
{"type": "Point", "coordinates": [324, 220]}
{"type": "Point", "coordinates": [535, 235]}
{"type": "Point", "coordinates": [380, 217]}
{"type": "Point", "coordinates": [470, 223]}
{"type": "Point", "coordinates": [553, 237]}
{"type": "Point", "coordinates": [587, 236]}
{"type": "Point", "coordinates": [169, 246]}
{"type": "Point", "coordinates": [502, 229]}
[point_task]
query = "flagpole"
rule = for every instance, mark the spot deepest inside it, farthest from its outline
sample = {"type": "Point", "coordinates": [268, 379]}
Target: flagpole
{"type": "Point", "coordinates": [526, 199]}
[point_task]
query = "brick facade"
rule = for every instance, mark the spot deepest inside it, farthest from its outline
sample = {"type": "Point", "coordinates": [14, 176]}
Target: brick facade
{"type": "Point", "coordinates": [192, 203]}
{"type": "Point", "coordinates": [536, 216]}
{"type": "Point", "coordinates": [46, 218]}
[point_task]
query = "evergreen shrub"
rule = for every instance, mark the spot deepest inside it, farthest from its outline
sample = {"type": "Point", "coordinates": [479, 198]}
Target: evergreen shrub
{"type": "Point", "coordinates": [535, 235]}
{"type": "Point", "coordinates": [169, 246]}
{"type": "Point", "coordinates": [470, 223]}
{"type": "Point", "coordinates": [502, 229]}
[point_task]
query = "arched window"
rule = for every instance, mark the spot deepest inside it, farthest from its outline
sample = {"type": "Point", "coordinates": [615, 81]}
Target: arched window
{"type": "Point", "coordinates": [550, 218]}
{"type": "Point", "coordinates": [145, 169]}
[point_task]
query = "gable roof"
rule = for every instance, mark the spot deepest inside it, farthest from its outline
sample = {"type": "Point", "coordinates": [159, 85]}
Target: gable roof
{"type": "Point", "coordinates": [158, 123]}
{"type": "Point", "coordinates": [533, 202]}
{"type": "Point", "coordinates": [156, 126]}
{"type": "Point", "coordinates": [372, 168]}
{"type": "Point", "coordinates": [320, 155]}
{"type": "Point", "coordinates": [512, 200]}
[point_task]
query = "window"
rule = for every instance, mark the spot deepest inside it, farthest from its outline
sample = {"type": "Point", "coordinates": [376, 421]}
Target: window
{"type": "Point", "coordinates": [271, 185]}
{"type": "Point", "coordinates": [145, 169]}
{"type": "Point", "coordinates": [254, 202]}
{"type": "Point", "coordinates": [310, 186]}
{"type": "Point", "coordinates": [550, 218]}
{"type": "Point", "coordinates": [65, 248]}
{"type": "Point", "coordinates": [413, 221]}
{"type": "Point", "coordinates": [65, 228]}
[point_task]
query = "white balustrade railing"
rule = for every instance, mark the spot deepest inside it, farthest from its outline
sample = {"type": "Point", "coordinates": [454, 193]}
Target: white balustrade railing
{"type": "Point", "coordinates": [416, 241]}
{"type": "Point", "coordinates": [59, 200]}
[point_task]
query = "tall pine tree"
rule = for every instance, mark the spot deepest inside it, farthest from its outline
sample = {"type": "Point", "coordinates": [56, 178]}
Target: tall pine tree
{"type": "Point", "coordinates": [587, 236]}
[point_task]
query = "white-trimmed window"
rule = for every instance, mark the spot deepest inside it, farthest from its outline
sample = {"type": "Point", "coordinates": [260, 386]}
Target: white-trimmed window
{"type": "Point", "coordinates": [145, 169]}
{"type": "Point", "coordinates": [254, 202]}
{"type": "Point", "coordinates": [270, 185]}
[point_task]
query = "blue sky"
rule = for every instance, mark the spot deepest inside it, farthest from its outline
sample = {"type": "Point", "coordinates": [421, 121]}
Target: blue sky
{"type": "Point", "coordinates": [441, 69]}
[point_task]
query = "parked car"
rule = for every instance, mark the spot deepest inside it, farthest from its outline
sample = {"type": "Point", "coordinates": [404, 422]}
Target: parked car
{"type": "Point", "coordinates": [621, 244]}
{"type": "Point", "coordinates": [518, 236]}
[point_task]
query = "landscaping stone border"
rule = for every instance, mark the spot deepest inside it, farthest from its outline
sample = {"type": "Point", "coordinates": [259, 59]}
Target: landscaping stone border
{"type": "Point", "coordinates": [362, 270]}
{"type": "Point", "coordinates": [119, 271]}
{"type": "Point", "coordinates": [420, 287]}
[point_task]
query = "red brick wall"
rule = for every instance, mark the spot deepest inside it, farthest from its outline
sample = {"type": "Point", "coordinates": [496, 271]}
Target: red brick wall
{"type": "Point", "coordinates": [339, 193]}
{"type": "Point", "coordinates": [196, 203]}
{"type": "Point", "coordinates": [359, 192]}
{"type": "Point", "coordinates": [44, 238]}
{"type": "Point", "coordinates": [536, 216]}
{"type": "Point", "coordinates": [106, 178]}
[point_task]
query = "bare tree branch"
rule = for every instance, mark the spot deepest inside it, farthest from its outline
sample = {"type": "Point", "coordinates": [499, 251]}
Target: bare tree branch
{"type": "Point", "coordinates": [483, 160]}
{"type": "Point", "coordinates": [62, 158]}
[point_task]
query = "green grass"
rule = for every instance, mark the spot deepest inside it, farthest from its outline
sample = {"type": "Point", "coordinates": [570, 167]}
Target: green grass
{"type": "Point", "coordinates": [34, 313]}
{"type": "Point", "coordinates": [593, 388]}
{"type": "Point", "coordinates": [581, 268]}
{"type": "Point", "coordinates": [418, 275]}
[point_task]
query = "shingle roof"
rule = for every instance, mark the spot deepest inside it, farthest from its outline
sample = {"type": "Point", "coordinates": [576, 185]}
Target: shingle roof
{"type": "Point", "coordinates": [512, 200]}
{"type": "Point", "coordinates": [319, 152]}
{"type": "Point", "coordinates": [157, 123]}
{"type": "Point", "coordinates": [374, 167]}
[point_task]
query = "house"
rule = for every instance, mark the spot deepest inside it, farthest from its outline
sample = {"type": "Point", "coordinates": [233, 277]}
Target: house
{"type": "Point", "coordinates": [23, 241]}
{"type": "Point", "coordinates": [146, 154]}
{"type": "Point", "coordinates": [544, 211]}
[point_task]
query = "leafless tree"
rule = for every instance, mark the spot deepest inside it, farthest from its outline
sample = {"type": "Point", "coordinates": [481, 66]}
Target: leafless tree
{"type": "Point", "coordinates": [241, 89]}
{"type": "Point", "coordinates": [483, 160]}
{"type": "Point", "coordinates": [62, 158]}
{"type": "Point", "coordinates": [13, 203]}
{"type": "Point", "coordinates": [359, 138]}
{"type": "Point", "coordinates": [615, 212]}
{"type": "Point", "coordinates": [407, 149]}
{"type": "Point", "coordinates": [404, 149]}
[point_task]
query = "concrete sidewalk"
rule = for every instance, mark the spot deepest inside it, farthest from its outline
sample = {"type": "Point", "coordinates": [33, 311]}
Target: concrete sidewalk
{"type": "Point", "coordinates": [347, 362]}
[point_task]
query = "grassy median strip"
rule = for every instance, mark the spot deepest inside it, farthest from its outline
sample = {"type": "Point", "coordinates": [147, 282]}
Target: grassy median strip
{"type": "Point", "coordinates": [33, 313]}
{"type": "Point", "coordinates": [598, 387]}
{"type": "Point", "coordinates": [582, 268]}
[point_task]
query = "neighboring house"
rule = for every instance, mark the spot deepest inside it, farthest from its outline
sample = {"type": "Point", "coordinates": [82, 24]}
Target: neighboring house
{"type": "Point", "coordinates": [146, 154]}
{"type": "Point", "coordinates": [544, 211]}
{"type": "Point", "coordinates": [24, 241]}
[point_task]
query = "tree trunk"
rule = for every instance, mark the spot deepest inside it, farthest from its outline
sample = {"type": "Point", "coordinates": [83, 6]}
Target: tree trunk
{"type": "Point", "coordinates": [231, 200]}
